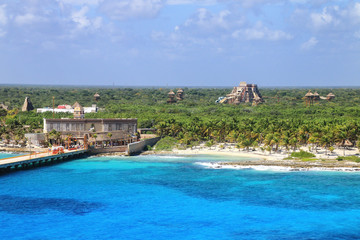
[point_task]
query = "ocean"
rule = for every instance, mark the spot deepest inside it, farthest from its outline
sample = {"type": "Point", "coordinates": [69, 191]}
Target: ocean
{"type": "Point", "coordinates": [174, 197]}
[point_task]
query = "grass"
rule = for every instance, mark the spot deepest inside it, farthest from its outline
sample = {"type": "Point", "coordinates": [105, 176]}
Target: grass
{"type": "Point", "coordinates": [302, 155]}
{"type": "Point", "coordinates": [308, 159]}
{"type": "Point", "coordinates": [349, 158]}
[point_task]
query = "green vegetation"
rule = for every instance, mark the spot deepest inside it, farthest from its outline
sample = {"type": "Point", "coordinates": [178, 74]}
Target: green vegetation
{"type": "Point", "coordinates": [302, 155]}
{"type": "Point", "coordinates": [166, 144]}
{"type": "Point", "coordinates": [282, 122]}
{"type": "Point", "coordinates": [349, 158]}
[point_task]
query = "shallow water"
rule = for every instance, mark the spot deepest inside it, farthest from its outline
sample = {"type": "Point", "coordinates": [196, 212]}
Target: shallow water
{"type": "Point", "coordinates": [170, 197]}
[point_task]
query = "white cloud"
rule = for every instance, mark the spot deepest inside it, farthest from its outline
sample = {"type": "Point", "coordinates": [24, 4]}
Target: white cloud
{"type": "Point", "coordinates": [260, 32]}
{"type": "Point", "coordinates": [79, 17]}
{"type": "Point", "coordinates": [3, 17]}
{"type": "Point", "coordinates": [128, 9]}
{"type": "Point", "coordinates": [206, 20]}
{"type": "Point", "coordinates": [354, 13]}
{"type": "Point", "coordinates": [312, 42]}
{"type": "Point", "coordinates": [186, 2]}
{"type": "Point", "coordinates": [28, 19]}
{"type": "Point", "coordinates": [330, 16]}
{"type": "Point", "coordinates": [82, 21]}
{"type": "Point", "coordinates": [80, 2]}
{"type": "Point", "coordinates": [321, 19]}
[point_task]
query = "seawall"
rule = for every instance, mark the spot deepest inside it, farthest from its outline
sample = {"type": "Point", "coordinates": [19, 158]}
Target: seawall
{"type": "Point", "coordinates": [138, 147]}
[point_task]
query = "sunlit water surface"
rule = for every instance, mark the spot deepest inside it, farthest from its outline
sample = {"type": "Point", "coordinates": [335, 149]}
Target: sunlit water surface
{"type": "Point", "coordinates": [168, 197]}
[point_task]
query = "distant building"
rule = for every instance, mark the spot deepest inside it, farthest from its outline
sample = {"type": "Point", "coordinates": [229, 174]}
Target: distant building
{"type": "Point", "coordinates": [37, 139]}
{"type": "Point", "coordinates": [180, 95]}
{"type": "Point", "coordinates": [68, 109]}
{"type": "Point", "coordinates": [330, 96]}
{"type": "Point", "coordinates": [311, 97]}
{"type": "Point", "coordinates": [78, 111]}
{"type": "Point", "coordinates": [96, 97]}
{"type": "Point", "coordinates": [123, 130]}
{"type": "Point", "coordinates": [27, 105]}
{"type": "Point", "coordinates": [244, 93]}
{"type": "Point", "coordinates": [171, 97]}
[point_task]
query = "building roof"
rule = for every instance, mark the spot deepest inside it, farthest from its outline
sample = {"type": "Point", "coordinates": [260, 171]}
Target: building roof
{"type": "Point", "coordinates": [96, 95]}
{"type": "Point", "coordinates": [331, 95]}
{"type": "Point", "coordinates": [91, 120]}
{"type": "Point", "coordinates": [171, 93]}
{"type": "Point", "coordinates": [180, 90]}
{"type": "Point", "coordinates": [309, 94]}
{"type": "Point", "coordinates": [77, 105]}
{"type": "Point", "coordinates": [316, 94]}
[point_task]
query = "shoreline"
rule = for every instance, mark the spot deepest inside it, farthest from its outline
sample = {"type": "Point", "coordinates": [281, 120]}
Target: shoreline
{"type": "Point", "coordinates": [263, 161]}
{"type": "Point", "coordinates": [256, 160]}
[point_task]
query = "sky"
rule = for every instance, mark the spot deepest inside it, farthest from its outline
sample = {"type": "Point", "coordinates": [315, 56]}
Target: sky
{"type": "Point", "coordinates": [180, 42]}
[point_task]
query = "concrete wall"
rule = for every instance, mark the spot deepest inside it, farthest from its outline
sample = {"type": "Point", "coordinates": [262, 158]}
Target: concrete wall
{"type": "Point", "coordinates": [115, 149]}
{"type": "Point", "coordinates": [138, 147]}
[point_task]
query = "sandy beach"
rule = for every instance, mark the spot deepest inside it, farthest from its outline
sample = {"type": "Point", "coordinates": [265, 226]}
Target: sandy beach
{"type": "Point", "coordinates": [262, 160]}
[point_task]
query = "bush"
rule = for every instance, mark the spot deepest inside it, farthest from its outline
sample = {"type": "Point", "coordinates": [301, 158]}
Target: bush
{"type": "Point", "coordinates": [209, 143]}
{"type": "Point", "coordinates": [302, 154]}
{"type": "Point", "coordinates": [349, 158]}
{"type": "Point", "coordinates": [147, 148]}
{"type": "Point", "coordinates": [165, 144]}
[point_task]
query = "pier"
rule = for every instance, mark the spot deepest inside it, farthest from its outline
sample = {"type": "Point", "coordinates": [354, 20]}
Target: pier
{"type": "Point", "coordinates": [38, 159]}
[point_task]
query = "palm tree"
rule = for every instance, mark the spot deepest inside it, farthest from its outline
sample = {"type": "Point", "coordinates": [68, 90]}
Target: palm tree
{"type": "Point", "coordinates": [110, 135]}
{"type": "Point", "coordinates": [95, 136]}
{"type": "Point", "coordinates": [325, 142]}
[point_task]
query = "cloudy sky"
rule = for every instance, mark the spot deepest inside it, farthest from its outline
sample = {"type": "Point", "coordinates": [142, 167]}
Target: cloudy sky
{"type": "Point", "coordinates": [180, 42]}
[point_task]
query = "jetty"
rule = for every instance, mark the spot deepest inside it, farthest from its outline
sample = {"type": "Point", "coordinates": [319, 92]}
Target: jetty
{"type": "Point", "coordinates": [38, 159]}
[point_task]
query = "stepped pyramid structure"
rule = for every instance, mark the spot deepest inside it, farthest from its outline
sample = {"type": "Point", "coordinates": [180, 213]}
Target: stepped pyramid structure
{"type": "Point", "coordinates": [27, 105]}
{"type": "Point", "coordinates": [244, 93]}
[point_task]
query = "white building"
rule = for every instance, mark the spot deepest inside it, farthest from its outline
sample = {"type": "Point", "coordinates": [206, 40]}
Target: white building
{"type": "Point", "coordinates": [67, 109]}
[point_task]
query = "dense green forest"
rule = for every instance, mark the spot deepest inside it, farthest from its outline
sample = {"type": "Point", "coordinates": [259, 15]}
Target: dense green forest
{"type": "Point", "coordinates": [282, 121]}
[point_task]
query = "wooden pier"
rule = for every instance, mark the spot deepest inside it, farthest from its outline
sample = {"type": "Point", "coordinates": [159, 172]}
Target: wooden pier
{"type": "Point", "coordinates": [38, 159]}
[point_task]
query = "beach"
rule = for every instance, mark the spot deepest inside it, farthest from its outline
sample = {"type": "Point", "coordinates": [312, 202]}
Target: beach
{"type": "Point", "coordinates": [260, 160]}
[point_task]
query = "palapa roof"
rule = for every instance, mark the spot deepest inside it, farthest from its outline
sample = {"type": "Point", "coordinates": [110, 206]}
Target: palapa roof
{"type": "Point", "coordinates": [77, 105]}
{"type": "Point", "coordinates": [171, 93]}
{"type": "Point", "coordinates": [331, 95]}
{"type": "Point", "coordinates": [316, 94]}
{"type": "Point", "coordinates": [180, 90]}
{"type": "Point", "coordinates": [309, 94]}
{"type": "Point", "coordinates": [96, 95]}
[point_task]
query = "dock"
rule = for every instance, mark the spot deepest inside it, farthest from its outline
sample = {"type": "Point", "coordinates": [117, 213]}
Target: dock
{"type": "Point", "coordinates": [37, 159]}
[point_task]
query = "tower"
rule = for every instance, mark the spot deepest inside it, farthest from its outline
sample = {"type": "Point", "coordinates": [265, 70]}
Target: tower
{"type": "Point", "coordinates": [180, 94]}
{"type": "Point", "coordinates": [78, 111]}
{"type": "Point", "coordinates": [171, 97]}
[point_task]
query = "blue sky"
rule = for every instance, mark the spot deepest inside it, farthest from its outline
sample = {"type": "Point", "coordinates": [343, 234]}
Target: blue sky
{"type": "Point", "coordinates": [180, 42]}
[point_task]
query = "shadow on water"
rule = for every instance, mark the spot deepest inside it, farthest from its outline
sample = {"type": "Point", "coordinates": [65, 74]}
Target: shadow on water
{"type": "Point", "coordinates": [37, 206]}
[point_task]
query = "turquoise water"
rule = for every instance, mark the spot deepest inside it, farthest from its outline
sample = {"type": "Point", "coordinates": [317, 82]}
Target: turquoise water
{"type": "Point", "coordinates": [152, 197]}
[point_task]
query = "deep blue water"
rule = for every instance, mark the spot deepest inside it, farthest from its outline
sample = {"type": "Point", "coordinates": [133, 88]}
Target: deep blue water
{"type": "Point", "coordinates": [153, 197]}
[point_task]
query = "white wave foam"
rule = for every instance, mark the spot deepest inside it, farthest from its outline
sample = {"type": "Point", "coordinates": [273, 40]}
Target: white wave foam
{"type": "Point", "coordinates": [218, 165]}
